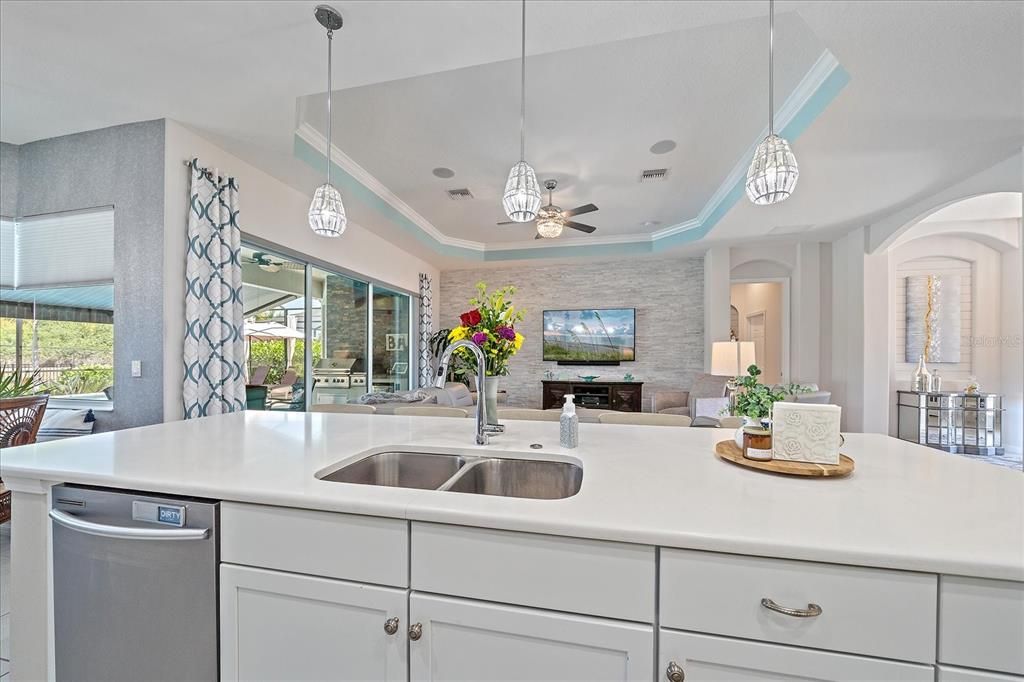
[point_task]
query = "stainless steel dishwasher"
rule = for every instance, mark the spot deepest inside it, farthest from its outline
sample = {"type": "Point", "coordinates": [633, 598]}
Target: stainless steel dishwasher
{"type": "Point", "coordinates": [134, 586]}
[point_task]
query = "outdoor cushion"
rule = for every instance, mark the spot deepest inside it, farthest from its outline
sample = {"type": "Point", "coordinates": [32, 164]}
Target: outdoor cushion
{"type": "Point", "coordinates": [59, 424]}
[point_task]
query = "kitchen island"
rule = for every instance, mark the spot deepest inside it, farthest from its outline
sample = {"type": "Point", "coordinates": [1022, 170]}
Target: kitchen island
{"type": "Point", "coordinates": [661, 559]}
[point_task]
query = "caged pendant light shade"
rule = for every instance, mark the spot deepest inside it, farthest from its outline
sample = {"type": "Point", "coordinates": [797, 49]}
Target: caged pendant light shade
{"type": "Point", "coordinates": [521, 199]}
{"type": "Point", "coordinates": [773, 171]}
{"type": "Point", "coordinates": [327, 212]}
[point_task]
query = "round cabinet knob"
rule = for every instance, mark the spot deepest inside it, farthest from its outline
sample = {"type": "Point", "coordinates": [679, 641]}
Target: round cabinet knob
{"type": "Point", "coordinates": [674, 673]}
{"type": "Point", "coordinates": [391, 626]}
{"type": "Point", "coordinates": [415, 631]}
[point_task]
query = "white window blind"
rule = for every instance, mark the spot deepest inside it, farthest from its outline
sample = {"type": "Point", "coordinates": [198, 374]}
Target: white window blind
{"type": "Point", "coordinates": [62, 249]}
{"type": "Point", "coordinates": [7, 259]}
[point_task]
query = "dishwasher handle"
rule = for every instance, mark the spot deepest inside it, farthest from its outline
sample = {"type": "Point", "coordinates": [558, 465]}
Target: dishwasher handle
{"type": "Point", "coordinates": [127, 532]}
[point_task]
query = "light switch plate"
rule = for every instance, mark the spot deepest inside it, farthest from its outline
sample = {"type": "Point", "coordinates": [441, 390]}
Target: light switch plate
{"type": "Point", "coordinates": [136, 368]}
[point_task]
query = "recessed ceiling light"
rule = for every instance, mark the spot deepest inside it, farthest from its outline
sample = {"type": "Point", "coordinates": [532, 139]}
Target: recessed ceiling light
{"type": "Point", "coordinates": [443, 172]}
{"type": "Point", "coordinates": [663, 146]}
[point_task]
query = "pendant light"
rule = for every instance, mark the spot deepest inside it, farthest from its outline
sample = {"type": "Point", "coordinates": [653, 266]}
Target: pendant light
{"type": "Point", "coordinates": [773, 172]}
{"type": "Point", "coordinates": [521, 200]}
{"type": "Point", "coordinates": [326, 212]}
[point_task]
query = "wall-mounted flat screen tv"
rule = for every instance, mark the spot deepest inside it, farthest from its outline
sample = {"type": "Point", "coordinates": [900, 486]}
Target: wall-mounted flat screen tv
{"type": "Point", "coordinates": [590, 336]}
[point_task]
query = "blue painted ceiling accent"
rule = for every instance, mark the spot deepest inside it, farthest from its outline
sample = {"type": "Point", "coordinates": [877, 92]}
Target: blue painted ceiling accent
{"type": "Point", "coordinates": [811, 106]}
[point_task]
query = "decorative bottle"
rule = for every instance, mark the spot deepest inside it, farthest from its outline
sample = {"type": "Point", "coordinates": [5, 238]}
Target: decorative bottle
{"type": "Point", "coordinates": [936, 382]}
{"type": "Point", "coordinates": [922, 377]}
{"type": "Point", "coordinates": [569, 424]}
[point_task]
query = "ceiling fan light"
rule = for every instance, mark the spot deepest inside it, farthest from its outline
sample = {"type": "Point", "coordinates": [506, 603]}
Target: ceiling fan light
{"type": "Point", "coordinates": [550, 223]}
{"type": "Point", "coordinates": [326, 212]}
{"type": "Point", "coordinates": [521, 200]}
{"type": "Point", "coordinates": [773, 172]}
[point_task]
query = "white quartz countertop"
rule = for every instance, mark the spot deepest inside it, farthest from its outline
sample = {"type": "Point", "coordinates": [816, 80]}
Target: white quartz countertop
{"type": "Point", "coordinates": [905, 507]}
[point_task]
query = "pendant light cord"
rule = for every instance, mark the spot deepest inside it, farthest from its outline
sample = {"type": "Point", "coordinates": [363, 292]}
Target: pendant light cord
{"type": "Point", "coordinates": [522, 93]}
{"type": "Point", "coordinates": [771, 67]}
{"type": "Point", "coordinates": [330, 41]}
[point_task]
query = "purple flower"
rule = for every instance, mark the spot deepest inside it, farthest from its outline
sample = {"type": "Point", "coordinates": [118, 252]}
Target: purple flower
{"type": "Point", "coordinates": [479, 338]}
{"type": "Point", "coordinates": [507, 333]}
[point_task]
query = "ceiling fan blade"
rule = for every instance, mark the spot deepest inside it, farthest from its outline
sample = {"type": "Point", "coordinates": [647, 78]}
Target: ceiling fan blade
{"type": "Point", "coordinates": [512, 222]}
{"type": "Point", "coordinates": [580, 226]}
{"type": "Point", "coordinates": [580, 210]}
{"type": "Point", "coordinates": [537, 236]}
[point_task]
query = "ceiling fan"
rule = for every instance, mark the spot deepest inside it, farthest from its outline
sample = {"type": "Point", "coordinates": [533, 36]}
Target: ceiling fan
{"type": "Point", "coordinates": [264, 262]}
{"type": "Point", "coordinates": [551, 219]}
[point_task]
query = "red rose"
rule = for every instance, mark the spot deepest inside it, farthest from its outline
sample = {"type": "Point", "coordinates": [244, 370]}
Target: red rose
{"type": "Point", "coordinates": [471, 318]}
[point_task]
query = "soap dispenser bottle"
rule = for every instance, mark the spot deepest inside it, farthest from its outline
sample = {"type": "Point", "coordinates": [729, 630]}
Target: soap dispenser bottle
{"type": "Point", "coordinates": [569, 424]}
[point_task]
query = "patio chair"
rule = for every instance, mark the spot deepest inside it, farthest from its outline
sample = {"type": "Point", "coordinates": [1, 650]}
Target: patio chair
{"type": "Point", "coordinates": [259, 375]}
{"type": "Point", "coordinates": [283, 390]}
{"type": "Point", "coordinates": [19, 424]}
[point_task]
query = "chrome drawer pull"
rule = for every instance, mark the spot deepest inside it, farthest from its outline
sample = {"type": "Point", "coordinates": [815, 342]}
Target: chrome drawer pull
{"type": "Point", "coordinates": [415, 631]}
{"type": "Point", "coordinates": [812, 610]}
{"type": "Point", "coordinates": [391, 626]}
{"type": "Point", "coordinates": [674, 673]}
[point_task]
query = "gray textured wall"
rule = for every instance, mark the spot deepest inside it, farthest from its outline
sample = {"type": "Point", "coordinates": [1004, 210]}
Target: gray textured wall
{"type": "Point", "coordinates": [121, 166]}
{"type": "Point", "coordinates": [8, 180]}
{"type": "Point", "coordinates": [668, 295]}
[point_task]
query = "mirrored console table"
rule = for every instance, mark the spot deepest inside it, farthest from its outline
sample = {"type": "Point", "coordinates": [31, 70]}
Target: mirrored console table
{"type": "Point", "coordinates": [956, 422]}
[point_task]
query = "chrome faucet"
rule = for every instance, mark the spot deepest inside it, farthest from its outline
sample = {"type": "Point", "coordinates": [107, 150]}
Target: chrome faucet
{"type": "Point", "coordinates": [483, 429]}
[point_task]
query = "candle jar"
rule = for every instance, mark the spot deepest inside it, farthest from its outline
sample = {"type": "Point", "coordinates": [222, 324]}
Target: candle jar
{"type": "Point", "coordinates": [757, 443]}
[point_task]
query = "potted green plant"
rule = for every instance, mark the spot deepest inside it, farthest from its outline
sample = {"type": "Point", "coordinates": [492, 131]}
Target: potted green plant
{"type": "Point", "coordinates": [753, 400]}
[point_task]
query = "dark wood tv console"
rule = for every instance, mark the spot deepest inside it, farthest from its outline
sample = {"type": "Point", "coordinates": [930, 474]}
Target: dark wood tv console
{"type": "Point", "coordinates": [624, 396]}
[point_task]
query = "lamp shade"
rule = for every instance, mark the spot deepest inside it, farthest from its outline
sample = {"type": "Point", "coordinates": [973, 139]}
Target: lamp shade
{"type": "Point", "coordinates": [731, 358]}
{"type": "Point", "coordinates": [773, 172]}
{"type": "Point", "coordinates": [326, 212]}
{"type": "Point", "coordinates": [522, 194]}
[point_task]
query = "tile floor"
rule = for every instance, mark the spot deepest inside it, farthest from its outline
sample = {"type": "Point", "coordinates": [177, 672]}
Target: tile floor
{"type": "Point", "coordinates": [5, 600]}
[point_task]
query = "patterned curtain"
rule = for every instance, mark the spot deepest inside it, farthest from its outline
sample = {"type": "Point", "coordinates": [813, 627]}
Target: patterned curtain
{"type": "Point", "coordinates": [426, 330]}
{"type": "Point", "coordinates": [214, 341]}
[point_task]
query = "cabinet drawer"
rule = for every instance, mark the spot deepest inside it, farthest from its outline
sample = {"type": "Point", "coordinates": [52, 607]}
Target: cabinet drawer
{"type": "Point", "coordinates": [564, 574]}
{"type": "Point", "coordinates": [363, 548]}
{"type": "Point", "coordinates": [863, 610]}
{"type": "Point", "coordinates": [704, 658]}
{"type": "Point", "coordinates": [981, 623]}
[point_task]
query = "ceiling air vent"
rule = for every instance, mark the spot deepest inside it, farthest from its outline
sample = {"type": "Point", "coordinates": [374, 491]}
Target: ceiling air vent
{"type": "Point", "coordinates": [653, 175]}
{"type": "Point", "coordinates": [460, 194]}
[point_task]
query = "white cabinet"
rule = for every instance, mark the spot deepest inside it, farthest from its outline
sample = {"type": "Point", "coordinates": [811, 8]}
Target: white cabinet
{"type": "Point", "coordinates": [981, 624]}
{"type": "Point", "coordinates": [467, 640]}
{"type": "Point", "coordinates": [705, 658]}
{"type": "Point", "coordinates": [950, 674]}
{"type": "Point", "coordinates": [282, 626]}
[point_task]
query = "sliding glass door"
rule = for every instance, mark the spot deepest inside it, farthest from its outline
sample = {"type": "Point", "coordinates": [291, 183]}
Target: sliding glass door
{"type": "Point", "coordinates": [317, 336]}
{"type": "Point", "coordinates": [391, 322]}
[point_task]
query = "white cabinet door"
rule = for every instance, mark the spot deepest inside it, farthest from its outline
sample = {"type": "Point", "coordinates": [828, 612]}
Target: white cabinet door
{"type": "Point", "coordinates": [468, 640]}
{"type": "Point", "coordinates": [951, 674]}
{"type": "Point", "coordinates": [705, 658]}
{"type": "Point", "coordinates": [283, 626]}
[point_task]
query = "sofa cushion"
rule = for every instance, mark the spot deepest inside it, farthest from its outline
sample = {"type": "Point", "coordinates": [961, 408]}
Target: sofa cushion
{"type": "Point", "coordinates": [59, 424]}
{"type": "Point", "coordinates": [684, 411]}
{"type": "Point", "coordinates": [459, 394]}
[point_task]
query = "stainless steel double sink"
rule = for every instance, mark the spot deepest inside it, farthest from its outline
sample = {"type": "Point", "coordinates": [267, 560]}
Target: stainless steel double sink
{"type": "Point", "coordinates": [505, 477]}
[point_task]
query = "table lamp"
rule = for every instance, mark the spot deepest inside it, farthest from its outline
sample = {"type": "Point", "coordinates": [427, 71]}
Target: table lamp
{"type": "Point", "coordinates": [731, 359]}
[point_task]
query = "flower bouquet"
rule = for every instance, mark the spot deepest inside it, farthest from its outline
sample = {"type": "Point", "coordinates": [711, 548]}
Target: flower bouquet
{"type": "Point", "coordinates": [490, 325]}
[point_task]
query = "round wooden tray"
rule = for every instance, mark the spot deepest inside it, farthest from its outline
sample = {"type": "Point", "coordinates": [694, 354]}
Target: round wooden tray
{"type": "Point", "coordinates": [729, 451]}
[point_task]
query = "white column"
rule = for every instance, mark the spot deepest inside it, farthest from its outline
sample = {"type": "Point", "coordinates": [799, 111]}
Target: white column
{"type": "Point", "coordinates": [806, 314]}
{"type": "Point", "coordinates": [716, 299]}
{"type": "Point", "coordinates": [31, 606]}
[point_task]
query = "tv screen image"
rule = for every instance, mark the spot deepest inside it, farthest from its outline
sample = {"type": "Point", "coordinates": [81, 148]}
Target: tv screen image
{"type": "Point", "coordinates": [589, 335]}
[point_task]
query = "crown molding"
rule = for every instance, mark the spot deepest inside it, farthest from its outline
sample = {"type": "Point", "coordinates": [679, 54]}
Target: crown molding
{"type": "Point", "coordinates": [790, 110]}
{"type": "Point", "coordinates": [801, 95]}
{"type": "Point", "coordinates": [346, 163]}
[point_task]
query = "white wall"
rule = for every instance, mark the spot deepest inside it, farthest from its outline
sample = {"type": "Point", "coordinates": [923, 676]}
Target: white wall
{"type": "Point", "coordinates": [764, 297]}
{"type": "Point", "coordinates": [271, 210]}
{"type": "Point", "coordinates": [1012, 344]}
